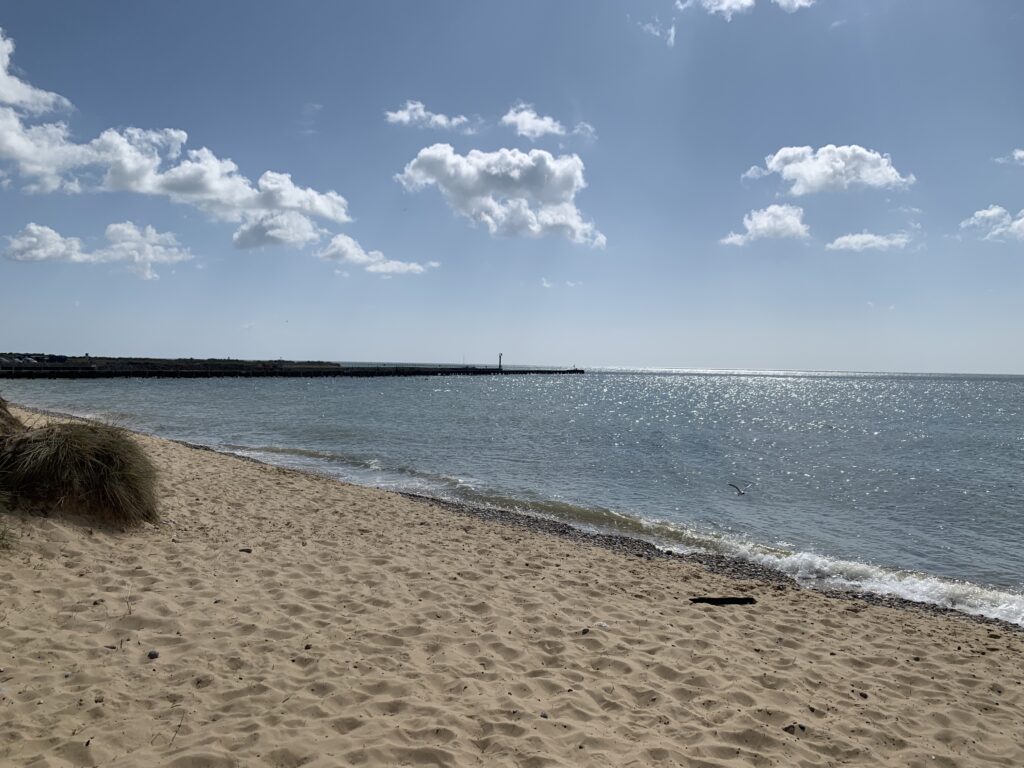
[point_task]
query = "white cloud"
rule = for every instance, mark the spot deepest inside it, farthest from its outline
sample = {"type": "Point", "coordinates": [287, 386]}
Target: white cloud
{"type": "Point", "coordinates": [39, 243]}
{"type": "Point", "coordinates": [416, 113]}
{"type": "Point", "coordinates": [792, 6]}
{"type": "Point", "coordinates": [215, 186]}
{"type": "Point", "coordinates": [662, 32]}
{"type": "Point", "coordinates": [865, 241]}
{"type": "Point", "coordinates": [46, 156]}
{"type": "Point", "coordinates": [728, 8]}
{"type": "Point", "coordinates": [1016, 157]}
{"type": "Point", "coordinates": [996, 223]}
{"type": "Point", "coordinates": [277, 228]}
{"type": "Point", "coordinates": [524, 118]}
{"type": "Point", "coordinates": [528, 123]}
{"type": "Point", "coordinates": [345, 250]}
{"type": "Point", "coordinates": [17, 93]}
{"type": "Point", "coordinates": [509, 191]}
{"type": "Point", "coordinates": [586, 130]}
{"type": "Point", "coordinates": [545, 283]}
{"type": "Point", "coordinates": [831, 167]}
{"type": "Point", "coordinates": [775, 221]}
{"type": "Point", "coordinates": [724, 7]}
{"type": "Point", "coordinates": [127, 243]}
{"type": "Point", "coordinates": [149, 162]}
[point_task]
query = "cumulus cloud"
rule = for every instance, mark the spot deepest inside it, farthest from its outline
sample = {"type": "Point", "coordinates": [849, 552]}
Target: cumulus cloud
{"type": "Point", "coordinates": [149, 162]}
{"type": "Point", "coordinates": [728, 8]}
{"type": "Point", "coordinates": [511, 192]}
{"type": "Point", "coordinates": [416, 113]}
{"type": "Point", "coordinates": [545, 283]}
{"type": "Point", "coordinates": [792, 6]}
{"type": "Point", "coordinates": [15, 92]}
{"type": "Point", "coordinates": [344, 250]}
{"type": "Point", "coordinates": [528, 123]}
{"type": "Point", "coordinates": [831, 167]}
{"type": "Point", "coordinates": [1016, 157]}
{"type": "Point", "coordinates": [39, 243]}
{"type": "Point", "coordinates": [277, 228]}
{"type": "Point", "coordinates": [214, 185]}
{"type": "Point", "coordinates": [996, 223]}
{"type": "Point", "coordinates": [775, 221]}
{"type": "Point", "coordinates": [866, 241]}
{"type": "Point", "coordinates": [139, 248]}
{"type": "Point", "coordinates": [273, 210]}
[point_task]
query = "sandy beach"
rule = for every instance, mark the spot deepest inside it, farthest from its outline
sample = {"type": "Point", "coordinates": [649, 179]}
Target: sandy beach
{"type": "Point", "coordinates": [275, 618]}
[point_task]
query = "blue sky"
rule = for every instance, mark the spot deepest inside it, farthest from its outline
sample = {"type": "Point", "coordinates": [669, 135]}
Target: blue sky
{"type": "Point", "coordinates": [780, 184]}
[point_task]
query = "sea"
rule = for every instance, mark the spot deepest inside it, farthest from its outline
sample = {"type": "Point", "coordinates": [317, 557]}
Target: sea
{"type": "Point", "coordinates": [908, 485]}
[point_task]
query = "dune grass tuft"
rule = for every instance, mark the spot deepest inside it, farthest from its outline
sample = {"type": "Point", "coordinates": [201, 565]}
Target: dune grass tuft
{"type": "Point", "coordinates": [9, 423]}
{"type": "Point", "coordinates": [96, 469]}
{"type": "Point", "coordinates": [6, 537]}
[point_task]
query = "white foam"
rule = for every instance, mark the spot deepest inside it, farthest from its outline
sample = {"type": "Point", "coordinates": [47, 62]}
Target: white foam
{"type": "Point", "coordinates": [823, 572]}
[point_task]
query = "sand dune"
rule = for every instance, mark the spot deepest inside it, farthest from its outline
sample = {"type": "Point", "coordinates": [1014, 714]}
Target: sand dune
{"type": "Point", "coordinates": [365, 628]}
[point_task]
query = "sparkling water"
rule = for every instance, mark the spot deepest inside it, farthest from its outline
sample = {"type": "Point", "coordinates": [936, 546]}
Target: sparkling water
{"type": "Point", "coordinates": [899, 484]}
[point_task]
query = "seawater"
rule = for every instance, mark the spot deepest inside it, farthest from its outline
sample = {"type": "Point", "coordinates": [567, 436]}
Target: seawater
{"type": "Point", "coordinates": [898, 484]}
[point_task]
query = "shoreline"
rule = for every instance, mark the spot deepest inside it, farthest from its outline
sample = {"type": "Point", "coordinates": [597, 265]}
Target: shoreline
{"type": "Point", "coordinates": [276, 617]}
{"type": "Point", "coordinates": [731, 567]}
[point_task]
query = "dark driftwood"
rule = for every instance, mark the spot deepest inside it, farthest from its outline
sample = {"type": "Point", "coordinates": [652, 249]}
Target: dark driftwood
{"type": "Point", "coordinates": [724, 600]}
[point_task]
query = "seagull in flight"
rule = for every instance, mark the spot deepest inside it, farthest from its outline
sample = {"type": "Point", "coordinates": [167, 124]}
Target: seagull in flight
{"type": "Point", "coordinates": [739, 491]}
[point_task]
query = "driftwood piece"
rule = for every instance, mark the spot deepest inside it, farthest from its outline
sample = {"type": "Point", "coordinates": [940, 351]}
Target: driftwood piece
{"type": "Point", "coordinates": [724, 600]}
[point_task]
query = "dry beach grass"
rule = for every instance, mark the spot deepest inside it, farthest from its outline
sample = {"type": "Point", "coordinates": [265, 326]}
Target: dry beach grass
{"type": "Point", "coordinates": [300, 621]}
{"type": "Point", "coordinates": [9, 423]}
{"type": "Point", "coordinates": [92, 468]}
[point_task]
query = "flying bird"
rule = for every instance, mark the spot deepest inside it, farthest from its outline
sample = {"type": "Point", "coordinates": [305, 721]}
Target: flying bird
{"type": "Point", "coordinates": [739, 491]}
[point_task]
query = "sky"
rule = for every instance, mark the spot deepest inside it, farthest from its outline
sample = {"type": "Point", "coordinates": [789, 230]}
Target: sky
{"type": "Point", "coordinates": [745, 184]}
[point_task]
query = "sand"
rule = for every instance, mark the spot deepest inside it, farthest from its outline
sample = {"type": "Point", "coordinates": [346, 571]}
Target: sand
{"type": "Point", "coordinates": [365, 628]}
